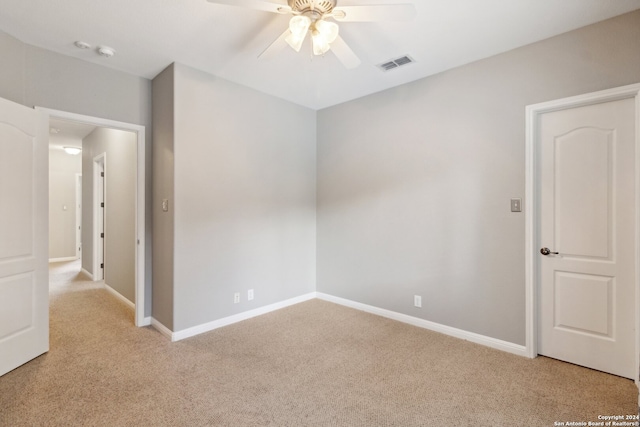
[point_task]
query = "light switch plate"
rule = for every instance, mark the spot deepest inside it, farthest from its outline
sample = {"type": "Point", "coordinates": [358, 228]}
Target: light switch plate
{"type": "Point", "coordinates": [165, 205]}
{"type": "Point", "coordinates": [516, 205]}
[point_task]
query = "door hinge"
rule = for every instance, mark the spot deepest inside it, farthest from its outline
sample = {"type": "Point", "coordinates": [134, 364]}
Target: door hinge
{"type": "Point", "coordinates": [101, 265]}
{"type": "Point", "coordinates": [101, 173]}
{"type": "Point", "coordinates": [102, 235]}
{"type": "Point", "coordinates": [102, 205]}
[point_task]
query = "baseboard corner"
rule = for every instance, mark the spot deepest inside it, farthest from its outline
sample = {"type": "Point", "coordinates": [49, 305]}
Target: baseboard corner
{"type": "Point", "coordinates": [120, 297]}
{"type": "Point", "coordinates": [494, 343]}
{"type": "Point", "coordinates": [86, 273]}
{"type": "Point", "coordinates": [225, 321]}
{"type": "Point", "coordinates": [146, 321]}
{"type": "Point", "coordinates": [158, 326]}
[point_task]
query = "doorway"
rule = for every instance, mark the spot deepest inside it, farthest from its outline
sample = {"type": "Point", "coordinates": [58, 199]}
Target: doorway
{"type": "Point", "coordinates": [138, 200]}
{"type": "Point", "coordinates": [99, 232]}
{"type": "Point", "coordinates": [78, 206]}
{"type": "Point", "coordinates": [582, 222]}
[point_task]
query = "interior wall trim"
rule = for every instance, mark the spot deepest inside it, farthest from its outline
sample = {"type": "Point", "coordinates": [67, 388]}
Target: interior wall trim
{"type": "Point", "coordinates": [86, 273]}
{"type": "Point", "coordinates": [120, 297]}
{"type": "Point", "coordinates": [497, 344]}
{"type": "Point", "coordinates": [63, 259]}
{"type": "Point", "coordinates": [161, 328]}
{"type": "Point", "coordinates": [225, 321]}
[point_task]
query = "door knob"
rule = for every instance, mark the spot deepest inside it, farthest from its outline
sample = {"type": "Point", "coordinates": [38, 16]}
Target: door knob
{"type": "Point", "coordinates": [547, 251]}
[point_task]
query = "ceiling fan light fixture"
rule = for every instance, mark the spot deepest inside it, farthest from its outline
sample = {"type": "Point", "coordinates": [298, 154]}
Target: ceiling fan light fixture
{"type": "Point", "coordinates": [298, 26]}
{"type": "Point", "coordinates": [320, 45]}
{"type": "Point", "coordinates": [328, 30]}
{"type": "Point", "coordinates": [323, 34]}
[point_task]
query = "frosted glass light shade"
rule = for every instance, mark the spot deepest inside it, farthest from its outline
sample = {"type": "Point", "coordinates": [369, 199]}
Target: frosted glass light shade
{"type": "Point", "coordinates": [329, 30]}
{"type": "Point", "coordinates": [323, 34]}
{"type": "Point", "coordinates": [299, 26]}
{"type": "Point", "coordinates": [72, 150]}
{"type": "Point", "coordinates": [320, 45]}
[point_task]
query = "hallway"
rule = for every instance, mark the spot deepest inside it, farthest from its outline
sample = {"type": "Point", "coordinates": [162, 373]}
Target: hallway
{"type": "Point", "coordinates": [70, 292]}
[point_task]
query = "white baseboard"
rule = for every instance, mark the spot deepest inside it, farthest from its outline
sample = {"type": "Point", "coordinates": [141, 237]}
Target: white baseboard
{"type": "Point", "coordinates": [162, 329]}
{"type": "Point", "coordinates": [206, 327]}
{"type": "Point", "coordinates": [86, 273]}
{"type": "Point", "coordinates": [497, 344]}
{"type": "Point", "coordinates": [63, 259]}
{"type": "Point", "coordinates": [119, 296]}
{"type": "Point", "coordinates": [146, 321]}
{"type": "Point", "coordinates": [519, 350]}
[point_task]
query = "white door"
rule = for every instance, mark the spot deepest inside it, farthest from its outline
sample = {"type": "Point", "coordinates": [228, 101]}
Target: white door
{"type": "Point", "coordinates": [587, 232]}
{"type": "Point", "coordinates": [24, 282]}
{"type": "Point", "coordinates": [78, 215]}
{"type": "Point", "coordinates": [99, 209]}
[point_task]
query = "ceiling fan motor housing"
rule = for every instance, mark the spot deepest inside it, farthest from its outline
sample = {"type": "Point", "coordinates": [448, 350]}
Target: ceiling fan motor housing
{"type": "Point", "coordinates": [320, 6]}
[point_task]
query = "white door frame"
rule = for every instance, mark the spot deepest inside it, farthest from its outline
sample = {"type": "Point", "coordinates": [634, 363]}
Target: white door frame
{"type": "Point", "coordinates": [78, 215]}
{"type": "Point", "coordinates": [532, 207]}
{"type": "Point", "coordinates": [99, 170]}
{"type": "Point", "coordinates": [140, 300]}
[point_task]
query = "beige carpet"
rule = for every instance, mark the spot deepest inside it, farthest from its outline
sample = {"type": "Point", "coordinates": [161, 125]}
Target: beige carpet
{"type": "Point", "coordinates": [313, 364]}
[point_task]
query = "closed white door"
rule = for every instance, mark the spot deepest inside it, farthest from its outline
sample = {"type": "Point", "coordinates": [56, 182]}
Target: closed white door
{"type": "Point", "coordinates": [587, 231]}
{"type": "Point", "coordinates": [24, 283]}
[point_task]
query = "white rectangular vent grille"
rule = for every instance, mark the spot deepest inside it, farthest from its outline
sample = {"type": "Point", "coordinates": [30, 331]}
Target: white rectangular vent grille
{"type": "Point", "coordinates": [396, 63]}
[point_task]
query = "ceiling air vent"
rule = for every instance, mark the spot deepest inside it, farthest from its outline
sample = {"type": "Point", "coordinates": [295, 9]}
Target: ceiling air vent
{"type": "Point", "coordinates": [395, 63]}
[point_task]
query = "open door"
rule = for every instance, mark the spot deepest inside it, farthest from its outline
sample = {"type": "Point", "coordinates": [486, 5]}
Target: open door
{"type": "Point", "coordinates": [99, 198]}
{"type": "Point", "coordinates": [24, 283]}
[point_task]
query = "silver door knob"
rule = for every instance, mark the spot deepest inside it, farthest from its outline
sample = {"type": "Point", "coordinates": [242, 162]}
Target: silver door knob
{"type": "Point", "coordinates": [547, 251]}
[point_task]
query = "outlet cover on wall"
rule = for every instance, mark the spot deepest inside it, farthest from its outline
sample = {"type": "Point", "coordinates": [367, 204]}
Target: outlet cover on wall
{"type": "Point", "coordinates": [250, 294]}
{"type": "Point", "coordinates": [417, 301]}
{"type": "Point", "coordinates": [236, 298]}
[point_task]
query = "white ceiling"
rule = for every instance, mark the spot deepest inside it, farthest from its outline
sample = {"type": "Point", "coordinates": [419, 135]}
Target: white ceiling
{"type": "Point", "coordinates": [225, 41]}
{"type": "Point", "coordinates": [65, 133]}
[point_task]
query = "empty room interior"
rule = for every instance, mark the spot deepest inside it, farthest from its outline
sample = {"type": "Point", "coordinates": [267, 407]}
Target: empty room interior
{"type": "Point", "coordinates": [319, 212]}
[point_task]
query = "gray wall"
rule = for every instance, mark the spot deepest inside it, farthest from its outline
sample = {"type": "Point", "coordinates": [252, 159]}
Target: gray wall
{"type": "Point", "coordinates": [414, 183]}
{"type": "Point", "coordinates": [163, 176]}
{"type": "Point", "coordinates": [36, 77]}
{"type": "Point", "coordinates": [120, 206]}
{"type": "Point", "coordinates": [63, 168]}
{"type": "Point", "coordinates": [244, 204]}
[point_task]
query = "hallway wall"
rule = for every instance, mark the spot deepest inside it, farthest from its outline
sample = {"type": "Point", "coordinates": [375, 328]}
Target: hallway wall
{"type": "Point", "coordinates": [120, 204]}
{"type": "Point", "coordinates": [63, 168]}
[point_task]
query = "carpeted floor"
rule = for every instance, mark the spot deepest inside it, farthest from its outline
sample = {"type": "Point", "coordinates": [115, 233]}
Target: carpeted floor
{"type": "Point", "coordinates": [312, 364]}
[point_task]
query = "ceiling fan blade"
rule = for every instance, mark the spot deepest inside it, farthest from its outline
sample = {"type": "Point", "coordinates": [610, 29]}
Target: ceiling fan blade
{"type": "Point", "coordinates": [382, 12]}
{"type": "Point", "coordinates": [344, 53]}
{"type": "Point", "coordinates": [275, 47]}
{"type": "Point", "coordinates": [266, 6]}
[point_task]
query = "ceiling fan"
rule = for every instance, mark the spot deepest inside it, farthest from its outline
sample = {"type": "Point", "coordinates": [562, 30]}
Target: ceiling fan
{"type": "Point", "coordinates": [316, 17]}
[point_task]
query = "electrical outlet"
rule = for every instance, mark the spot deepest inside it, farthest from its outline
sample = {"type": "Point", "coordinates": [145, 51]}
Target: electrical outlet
{"type": "Point", "coordinates": [250, 294]}
{"type": "Point", "coordinates": [417, 301]}
{"type": "Point", "coordinates": [236, 298]}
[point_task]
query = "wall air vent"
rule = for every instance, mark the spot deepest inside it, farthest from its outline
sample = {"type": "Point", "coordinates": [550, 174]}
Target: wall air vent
{"type": "Point", "coordinates": [395, 63]}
